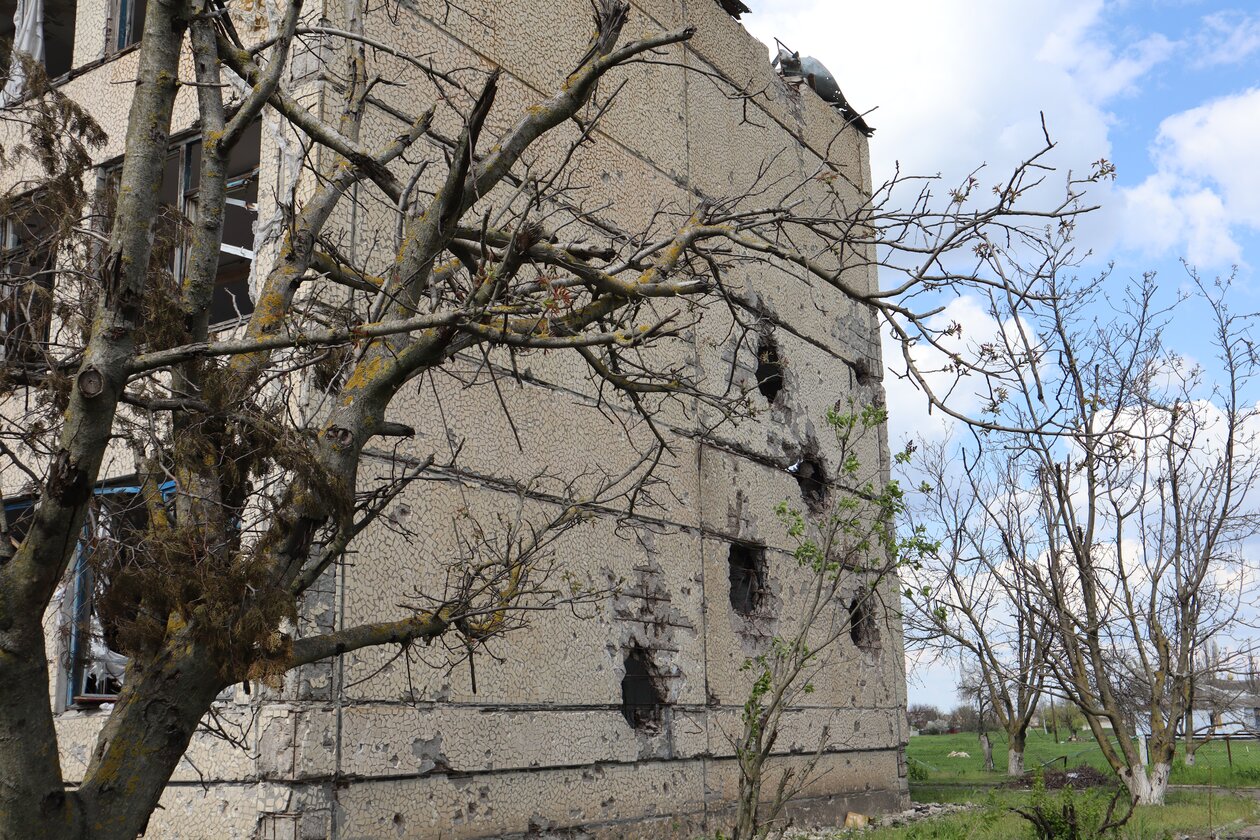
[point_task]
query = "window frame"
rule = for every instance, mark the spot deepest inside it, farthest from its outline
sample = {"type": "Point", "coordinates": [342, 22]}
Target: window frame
{"type": "Point", "coordinates": [34, 279]}
{"type": "Point", "coordinates": [187, 151]}
{"type": "Point", "coordinates": [122, 33]}
{"type": "Point", "coordinates": [55, 30]}
{"type": "Point", "coordinates": [75, 658]}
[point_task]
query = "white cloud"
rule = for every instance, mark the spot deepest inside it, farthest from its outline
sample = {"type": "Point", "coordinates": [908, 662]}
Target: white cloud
{"type": "Point", "coordinates": [1169, 216]}
{"type": "Point", "coordinates": [1206, 183]}
{"type": "Point", "coordinates": [1217, 142]}
{"type": "Point", "coordinates": [967, 82]}
{"type": "Point", "coordinates": [1227, 38]}
{"type": "Point", "coordinates": [932, 681]}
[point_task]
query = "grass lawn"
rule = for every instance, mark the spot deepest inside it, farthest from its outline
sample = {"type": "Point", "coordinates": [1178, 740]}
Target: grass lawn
{"type": "Point", "coordinates": [930, 753]}
{"type": "Point", "coordinates": [1185, 814]}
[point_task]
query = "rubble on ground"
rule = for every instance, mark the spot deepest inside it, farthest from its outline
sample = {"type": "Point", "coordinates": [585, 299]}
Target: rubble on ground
{"type": "Point", "coordinates": [919, 811]}
{"type": "Point", "coordinates": [1081, 777]}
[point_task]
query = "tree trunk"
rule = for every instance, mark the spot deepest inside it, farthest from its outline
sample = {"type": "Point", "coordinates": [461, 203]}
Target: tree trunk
{"type": "Point", "coordinates": [987, 746]}
{"type": "Point", "coordinates": [1188, 757]}
{"type": "Point", "coordinates": [146, 736]}
{"type": "Point", "coordinates": [1147, 786]}
{"type": "Point", "coordinates": [33, 799]}
{"type": "Point", "coordinates": [1015, 754]}
{"type": "Point", "coordinates": [749, 799]}
{"type": "Point", "coordinates": [1014, 762]}
{"type": "Point", "coordinates": [31, 792]}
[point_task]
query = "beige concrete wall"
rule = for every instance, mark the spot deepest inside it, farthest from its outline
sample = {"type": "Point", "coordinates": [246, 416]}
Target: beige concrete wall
{"type": "Point", "coordinates": [381, 746]}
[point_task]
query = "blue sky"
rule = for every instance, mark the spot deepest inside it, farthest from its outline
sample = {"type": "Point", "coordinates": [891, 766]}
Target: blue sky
{"type": "Point", "coordinates": [1168, 90]}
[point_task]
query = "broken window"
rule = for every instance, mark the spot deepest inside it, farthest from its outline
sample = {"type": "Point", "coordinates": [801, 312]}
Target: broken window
{"type": "Point", "coordinates": [179, 200]}
{"type": "Point", "coordinates": [231, 300]}
{"type": "Point", "coordinates": [641, 699]}
{"type": "Point", "coordinates": [811, 477]}
{"type": "Point", "coordinates": [17, 520]}
{"type": "Point", "coordinates": [116, 517]}
{"type": "Point", "coordinates": [116, 522]}
{"type": "Point", "coordinates": [43, 31]}
{"type": "Point", "coordinates": [27, 261]}
{"type": "Point", "coordinates": [126, 24]}
{"type": "Point", "coordinates": [862, 625]}
{"type": "Point", "coordinates": [748, 576]}
{"type": "Point", "coordinates": [769, 368]}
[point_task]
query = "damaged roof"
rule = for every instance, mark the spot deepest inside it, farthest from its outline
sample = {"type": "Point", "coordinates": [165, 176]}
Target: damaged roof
{"type": "Point", "coordinates": [734, 8]}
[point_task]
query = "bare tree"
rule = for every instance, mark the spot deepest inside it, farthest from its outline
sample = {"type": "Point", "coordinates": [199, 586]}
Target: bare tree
{"type": "Point", "coordinates": [258, 451]}
{"type": "Point", "coordinates": [1138, 464]}
{"type": "Point", "coordinates": [976, 713]}
{"type": "Point", "coordinates": [964, 600]}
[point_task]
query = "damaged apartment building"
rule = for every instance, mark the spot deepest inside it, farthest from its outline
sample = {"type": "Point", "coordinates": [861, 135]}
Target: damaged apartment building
{"type": "Point", "coordinates": [612, 720]}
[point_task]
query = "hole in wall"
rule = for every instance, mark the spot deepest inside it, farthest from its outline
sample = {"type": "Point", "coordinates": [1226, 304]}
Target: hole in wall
{"type": "Point", "coordinates": [863, 628]}
{"type": "Point", "coordinates": [865, 373]}
{"type": "Point", "coordinates": [811, 477]}
{"type": "Point", "coordinates": [769, 368]}
{"type": "Point", "coordinates": [748, 576]}
{"type": "Point", "coordinates": [641, 698]}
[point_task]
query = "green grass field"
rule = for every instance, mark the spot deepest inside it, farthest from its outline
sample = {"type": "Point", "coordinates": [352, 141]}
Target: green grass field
{"type": "Point", "coordinates": [1185, 815]}
{"type": "Point", "coordinates": [930, 753]}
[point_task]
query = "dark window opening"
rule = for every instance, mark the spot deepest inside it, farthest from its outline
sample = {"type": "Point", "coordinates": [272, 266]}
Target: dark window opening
{"type": "Point", "coordinates": [811, 477]}
{"type": "Point", "coordinates": [27, 262]}
{"type": "Point", "coordinates": [59, 20]}
{"type": "Point", "coordinates": [748, 576]}
{"type": "Point", "coordinates": [126, 23]}
{"type": "Point", "coordinates": [641, 699]}
{"type": "Point", "coordinates": [769, 369]}
{"type": "Point", "coordinates": [49, 41]}
{"type": "Point", "coordinates": [862, 626]}
{"type": "Point", "coordinates": [231, 300]}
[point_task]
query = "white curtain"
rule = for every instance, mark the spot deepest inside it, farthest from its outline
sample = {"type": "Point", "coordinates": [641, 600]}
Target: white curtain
{"type": "Point", "coordinates": [28, 37]}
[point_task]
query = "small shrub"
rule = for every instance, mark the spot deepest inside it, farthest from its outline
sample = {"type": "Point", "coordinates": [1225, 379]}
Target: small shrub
{"type": "Point", "coordinates": [1070, 814]}
{"type": "Point", "coordinates": [916, 771]}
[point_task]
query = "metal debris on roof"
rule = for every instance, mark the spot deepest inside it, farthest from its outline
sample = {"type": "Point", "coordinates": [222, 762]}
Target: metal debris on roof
{"type": "Point", "coordinates": [734, 8]}
{"type": "Point", "coordinates": [819, 78]}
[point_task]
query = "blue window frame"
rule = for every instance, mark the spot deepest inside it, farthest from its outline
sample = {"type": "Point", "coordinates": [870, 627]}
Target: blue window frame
{"type": "Point", "coordinates": [127, 23]}
{"type": "Point", "coordinates": [93, 671]}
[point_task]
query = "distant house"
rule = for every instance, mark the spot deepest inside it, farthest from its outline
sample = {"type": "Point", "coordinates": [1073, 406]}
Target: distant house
{"type": "Point", "coordinates": [1226, 707]}
{"type": "Point", "coordinates": [1221, 707]}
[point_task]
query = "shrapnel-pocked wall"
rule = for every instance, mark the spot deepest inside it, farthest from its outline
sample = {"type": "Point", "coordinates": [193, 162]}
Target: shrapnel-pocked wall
{"type": "Point", "coordinates": [374, 745]}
